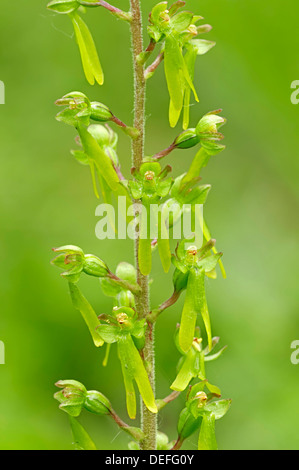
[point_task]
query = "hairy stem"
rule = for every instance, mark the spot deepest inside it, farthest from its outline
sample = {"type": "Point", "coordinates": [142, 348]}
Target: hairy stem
{"type": "Point", "coordinates": [148, 419]}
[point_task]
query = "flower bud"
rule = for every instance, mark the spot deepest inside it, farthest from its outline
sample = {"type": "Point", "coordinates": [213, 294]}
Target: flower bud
{"type": "Point", "coordinates": [72, 397]}
{"type": "Point", "coordinates": [63, 6]}
{"type": "Point", "coordinates": [187, 139]}
{"type": "Point", "coordinates": [97, 403]}
{"type": "Point", "coordinates": [100, 112]}
{"type": "Point", "coordinates": [71, 259]}
{"type": "Point", "coordinates": [105, 137]}
{"type": "Point", "coordinates": [94, 266]}
{"type": "Point", "coordinates": [126, 298]}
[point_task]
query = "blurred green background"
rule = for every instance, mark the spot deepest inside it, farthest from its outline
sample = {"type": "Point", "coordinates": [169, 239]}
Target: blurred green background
{"type": "Point", "coordinates": [46, 200]}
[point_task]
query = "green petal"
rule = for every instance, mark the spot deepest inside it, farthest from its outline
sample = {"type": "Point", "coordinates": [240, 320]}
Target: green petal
{"type": "Point", "coordinates": [219, 408]}
{"type": "Point", "coordinates": [202, 46]}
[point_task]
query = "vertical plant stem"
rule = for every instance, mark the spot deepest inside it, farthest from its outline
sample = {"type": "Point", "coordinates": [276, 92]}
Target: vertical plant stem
{"type": "Point", "coordinates": [148, 419]}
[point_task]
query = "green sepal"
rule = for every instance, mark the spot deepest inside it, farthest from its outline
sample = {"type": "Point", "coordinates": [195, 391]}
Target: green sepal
{"type": "Point", "coordinates": [181, 21]}
{"type": "Point", "coordinates": [186, 139]}
{"type": "Point", "coordinates": [97, 403]}
{"type": "Point", "coordinates": [154, 33]}
{"type": "Point", "coordinates": [108, 333]}
{"type": "Point", "coordinates": [136, 189]}
{"type": "Point", "coordinates": [94, 266]}
{"type": "Point", "coordinates": [202, 46]}
{"type": "Point", "coordinates": [210, 262]}
{"type": "Point", "coordinates": [80, 156]}
{"type": "Point", "coordinates": [70, 117]}
{"type": "Point", "coordinates": [218, 408]}
{"type": "Point", "coordinates": [176, 6]}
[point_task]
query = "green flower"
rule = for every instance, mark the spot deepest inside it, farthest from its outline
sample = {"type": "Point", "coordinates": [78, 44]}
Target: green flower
{"type": "Point", "coordinates": [150, 186]}
{"type": "Point", "coordinates": [200, 414]}
{"type": "Point", "coordinates": [192, 363]}
{"type": "Point", "coordinates": [71, 259]}
{"type": "Point", "coordinates": [124, 328]}
{"type": "Point", "coordinates": [177, 33]}
{"type": "Point", "coordinates": [71, 397]}
{"type": "Point", "coordinates": [207, 132]}
{"type": "Point", "coordinates": [191, 267]}
{"type": "Point", "coordinates": [74, 261]}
